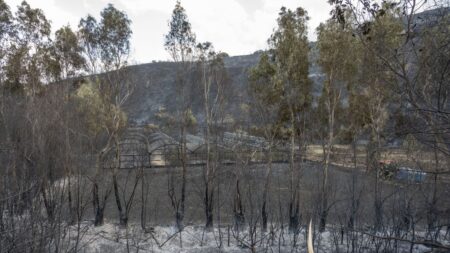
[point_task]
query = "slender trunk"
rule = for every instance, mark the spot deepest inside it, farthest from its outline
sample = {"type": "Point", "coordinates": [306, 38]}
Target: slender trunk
{"type": "Point", "coordinates": [208, 177]}
{"type": "Point", "coordinates": [237, 207]}
{"type": "Point", "coordinates": [264, 212]}
{"type": "Point", "coordinates": [208, 207]}
{"type": "Point", "coordinates": [144, 193]}
{"type": "Point", "coordinates": [294, 201]}
{"type": "Point", "coordinates": [72, 212]}
{"type": "Point", "coordinates": [98, 210]}
{"type": "Point", "coordinates": [431, 215]}
{"type": "Point", "coordinates": [324, 197]}
{"type": "Point", "coordinates": [180, 209]}
{"type": "Point", "coordinates": [351, 221]}
{"type": "Point", "coordinates": [98, 206]}
{"type": "Point", "coordinates": [122, 213]}
{"type": "Point", "coordinates": [48, 203]}
{"type": "Point", "coordinates": [378, 205]}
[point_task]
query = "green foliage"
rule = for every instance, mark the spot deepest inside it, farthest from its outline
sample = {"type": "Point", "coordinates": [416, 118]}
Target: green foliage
{"type": "Point", "coordinates": [106, 43]}
{"type": "Point", "coordinates": [114, 37]}
{"type": "Point", "coordinates": [167, 120]}
{"type": "Point", "coordinates": [24, 52]}
{"type": "Point", "coordinates": [339, 60]}
{"type": "Point", "coordinates": [98, 114]}
{"type": "Point", "coordinates": [262, 83]}
{"type": "Point", "coordinates": [190, 120]}
{"type": "Point", "coordinates": [89, 38]}
{"type": "Point", "coordinates": [280, 83]}
{"type": "Point", "coordinates": [180, 41]}
{"type": "Point", "coordinates": [32, 25]}
{"type": "Point", "coordinates": [6, 21]}
{"type": "Point", "coordinates": [338, 52]}
{"type": "Point", "coordinates": [289, 49]}
{"type": "Point", "coordinates": [68, 51]}
{"type": "Point", "coordinates": [387, 171]}
{"type": "Point", "coordinates": [14, 68]}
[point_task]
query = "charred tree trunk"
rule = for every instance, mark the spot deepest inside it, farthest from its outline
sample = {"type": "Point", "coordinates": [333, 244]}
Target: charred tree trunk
{"type": "Point", "coordinates": [294, 205]}
{"type": "Point", "coordinates": [237, 206]}
{"type": "Point", "coordinates": [98, 210]}
{"type": "Point", "coordinates": [264, 213]}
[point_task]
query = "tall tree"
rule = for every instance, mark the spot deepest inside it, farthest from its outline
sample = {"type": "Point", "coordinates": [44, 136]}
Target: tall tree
{"type": "Point", "coordinates": [68, 52]}
{"type": "Point", "coordinates": [114, 42]}
{"type": "Point", "coordinates": [65, 54]}
{"type": "Point", "coordinates": [107, 47]}
{"type": "Point", "coordinates": [114, 35]}
{"type": "Point", "coordinates": [180, 44]}
{"type": "Point", "coordinates": [26, 66]}
{"type": "Point", "coordinates": [213, 84]}
{"type": "Point", "coordinates": [289, 49]}
{"type": "Point", "coordinates": [6, 31]}
{"type": "Point", "coordinates": [89, 34]}
{"type": "Point", "coordinates": [381, 36]}
{"type": "Point", "coordinates": [337, 59]}
{"type": "Point", "coordinates": [266, 94]}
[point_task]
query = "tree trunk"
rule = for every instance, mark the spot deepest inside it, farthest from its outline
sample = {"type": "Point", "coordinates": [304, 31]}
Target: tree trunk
{"type": "Point", "coordinates": [264, 212]}
{"type": "Point", "coordinates": [98, 210]}
{"type": "Point", "coordinates": [324, 203]}
{"type": "Point", "coordinates": [237, 207]}
{"type": "Point", "coordinates": [180, 210]}
{"type": "Point", "coordinates": [294, 220]}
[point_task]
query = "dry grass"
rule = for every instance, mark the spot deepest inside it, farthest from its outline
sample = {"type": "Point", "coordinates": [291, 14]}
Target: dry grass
{"type": "Point", "coordinates": [342, 155]}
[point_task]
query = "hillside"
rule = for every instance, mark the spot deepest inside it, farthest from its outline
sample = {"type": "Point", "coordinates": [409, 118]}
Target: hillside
{"type": "Point", "coordinates": [155, 87]}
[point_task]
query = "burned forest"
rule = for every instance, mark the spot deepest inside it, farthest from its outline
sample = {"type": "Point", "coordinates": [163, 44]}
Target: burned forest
{"type": "Point", "coordinates": [337, 144]}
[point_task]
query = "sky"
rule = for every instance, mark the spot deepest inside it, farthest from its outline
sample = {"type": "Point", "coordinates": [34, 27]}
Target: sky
{"type": "Point", "coordinates": [236, 27]}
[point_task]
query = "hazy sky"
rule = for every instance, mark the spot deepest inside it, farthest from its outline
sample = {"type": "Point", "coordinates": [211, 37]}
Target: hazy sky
{"type": "Point", "coordinates": [233, 26]}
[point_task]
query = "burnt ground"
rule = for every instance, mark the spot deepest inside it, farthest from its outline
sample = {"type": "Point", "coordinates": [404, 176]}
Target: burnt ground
{"type": "Point", "coordinates": [400, 199]}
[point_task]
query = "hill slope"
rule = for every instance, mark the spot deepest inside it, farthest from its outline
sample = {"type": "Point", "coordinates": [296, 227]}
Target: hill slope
{"type": "Point", "coordinates": [155, 87]}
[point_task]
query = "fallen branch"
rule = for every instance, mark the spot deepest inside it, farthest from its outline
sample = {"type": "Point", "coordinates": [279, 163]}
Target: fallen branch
{"type": "Point", "coordinates": [425, 243]}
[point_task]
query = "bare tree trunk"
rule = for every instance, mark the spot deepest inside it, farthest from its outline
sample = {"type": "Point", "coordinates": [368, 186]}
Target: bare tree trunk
{"type": "Point", "coordinates": [328, 150]}
{"type": "Point", "coordinates": [294, 212]}
{"type": "Point", "coordinates": [354, 200]}
{"type": "Point", "coordinates": [378, 204]}
{"type": "Point", "coordinates": [208, 175]}
{"type": "Point", "coordinates": [144, 197]}
{"type": "Point", "coordinates": [180, 209]}
{"type": "Point", "coordinates": [238, 210]}
{"type": "Point", "coordinates": [264, 213]}
{"type": "Point", "coordinates": [99, 202]}
{"type": "Point", "coordinates": [98, 208]}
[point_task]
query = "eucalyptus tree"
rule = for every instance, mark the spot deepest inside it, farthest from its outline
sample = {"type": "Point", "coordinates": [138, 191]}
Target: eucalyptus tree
{"type": "Point", "coordinates": [88, 35]}
{"type": "Point", "coordinates": [68, 53]}
{"type": "Point", "coordinates": [289, 49]}
{"type": "Point", "coordinates": [266, 94]}
{"type": "Point", "coordinates": [379, 31]}
{"type": "Point", "coordinates": [6, 31]}
{"type": "Point", "coordinates": [66, 61]}
{"type": "Point", "coordinates": [106, 46]}
{"type": "Point", "coordinates": [377, 80]}
{"type": "Point", "coordinates": [432, 107]}
{"type": "Point", "coordinates": [32, 126]}
{"type": "Point", "coordinates": [407, 44]}
{"type": "Point", "coordinates": [25, 63]}
{"type": "Point", "coordinates": [114, 42]}
{"type": "Point", "coordinates": [214, 82]}
{"type": "Point", "coordinates": [338, 60]}
{"type": "Point", "coordinates": [180, 43]}
{"type": "Point", "coordinates": [26, 71]}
